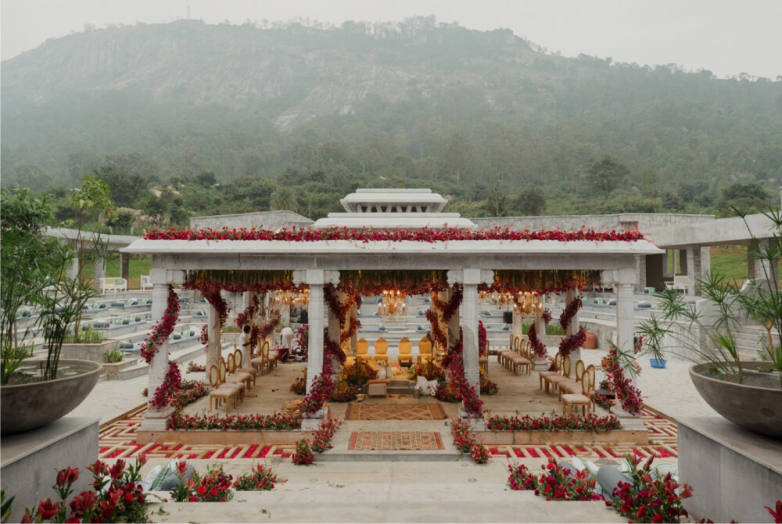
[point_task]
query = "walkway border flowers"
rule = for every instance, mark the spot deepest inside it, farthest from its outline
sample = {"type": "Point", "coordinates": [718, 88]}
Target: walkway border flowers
{"type": "Point", "coordinates": [319, 393]}
{"type": "Point", "coordinates": [555, 483]}
{"type": "Point", "coordinates": [179, 421]}
{"type": "Point", "coordinates": [366, 235]}
{"type": "Point", "coordinates": [590, 424]}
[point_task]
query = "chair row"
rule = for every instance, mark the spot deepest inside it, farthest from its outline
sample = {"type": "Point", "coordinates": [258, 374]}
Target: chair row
{"type": "Point", "coordinates": [517, 356]}
{"type": "Point", "coordinates": [229, 380]}
{"type": "Point", "coordinates": [381, 351]}
{"type": "Point", "coordinates": [264, 360]}
{"type": "Point", "coordinates": [573, 391]}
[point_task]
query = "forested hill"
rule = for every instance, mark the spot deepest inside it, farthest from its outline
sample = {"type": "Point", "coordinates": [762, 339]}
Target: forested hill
{"type": "Point", "coordinates": [416, 104]}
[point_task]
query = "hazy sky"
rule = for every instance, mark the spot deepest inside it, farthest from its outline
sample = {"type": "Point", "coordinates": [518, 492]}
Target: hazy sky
{"type": "Point", "coordinates": [727, 37]}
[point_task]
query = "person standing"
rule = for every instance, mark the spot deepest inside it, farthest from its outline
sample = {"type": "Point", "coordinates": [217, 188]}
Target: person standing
{"type": "Point", "coordinates": [245, 341]}
{"type": "Point", "coordinates": [287, 343]}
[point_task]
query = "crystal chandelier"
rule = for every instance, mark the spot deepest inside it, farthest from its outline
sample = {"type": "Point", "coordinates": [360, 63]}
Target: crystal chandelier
{"type": "Point", "coordinates": [392, 304]}
{"type": "Point", "coordinates": [528, 304]}
{"type": "Point", "coordinates": [292, 298]}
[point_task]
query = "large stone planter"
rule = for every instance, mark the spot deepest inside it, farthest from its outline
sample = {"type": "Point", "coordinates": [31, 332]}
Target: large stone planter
{"type": "Point", "coordinates": [93, 352]}
{"type": "Point", "coordinates": [755, 407]}
{"type": "Point", "coordinates": [29, 406]}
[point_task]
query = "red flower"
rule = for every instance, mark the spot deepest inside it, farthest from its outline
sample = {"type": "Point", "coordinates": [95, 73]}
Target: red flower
{"type": "Point", "coordinates": [84, 502]}
{"type": "Point", "coordinates": [657, 518]}
{"type": "Point", "coordinates": [66, 476]}
{"type": "Point", "coordinates": [47, 510]}
{"type": "Point", "coordinates": [776, 514]}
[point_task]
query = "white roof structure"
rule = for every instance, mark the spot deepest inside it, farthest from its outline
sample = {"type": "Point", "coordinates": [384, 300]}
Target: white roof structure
{"type": "Point", "coordinates": [394, 209]}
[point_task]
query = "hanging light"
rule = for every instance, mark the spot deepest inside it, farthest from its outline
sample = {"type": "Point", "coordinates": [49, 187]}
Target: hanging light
{"type": "Point", "coordinates": [392, 304]}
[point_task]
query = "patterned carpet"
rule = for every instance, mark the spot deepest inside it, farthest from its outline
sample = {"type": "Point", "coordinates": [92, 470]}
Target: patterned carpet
{"type": "Point", "coordinates": [395, 441]}
{"type": "Point", "coordinates": [366, 411]}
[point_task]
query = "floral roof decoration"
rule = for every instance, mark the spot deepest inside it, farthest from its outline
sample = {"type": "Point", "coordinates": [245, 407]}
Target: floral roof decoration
{"type": "Point", "coordinates": [539, 281]}
{"type": "Point", "coordinates": [392, 235]}
{"type": "Point", "coordinates": [239, 281]}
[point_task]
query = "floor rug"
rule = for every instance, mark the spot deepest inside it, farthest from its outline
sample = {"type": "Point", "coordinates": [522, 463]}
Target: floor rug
{"type": "Point", "coordinates": [395, 441]}
{"type": "Point", "coordinates": [365, 411]}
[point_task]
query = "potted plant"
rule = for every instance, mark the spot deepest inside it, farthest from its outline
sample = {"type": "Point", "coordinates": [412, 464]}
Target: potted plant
{"type": "Point", "coordinates": [650, 342]}
{"type": "Point", "coordinates": [36, 271]}
{"type": "Point", "coordinates": [747, 393]}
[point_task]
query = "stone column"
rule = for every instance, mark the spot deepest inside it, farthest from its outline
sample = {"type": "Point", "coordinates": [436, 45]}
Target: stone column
{"type": "Point", "coordinates": [155, 419]}
{"type": "Point", "coordinates": [100, 272]}
{"type": "Point", "coordinates": [516, 328]}
{"type": "Point", "coordinates": [73, 271]}
{"type": "Point", "coordinates": [315, 278]}
{"type": "Point", "coordinates": [572, 328]}
{"type": "Point", "coordinates": [470, 279]}
{"type": "Point", "coordinates": [625, 321]}
{"type": "Point", "coordinates": [124, 266]}
{"type": "Point", "coordinates": [640, 272]}
{"type": "Point", "coordinates": [213, 345]}
{"type": "Point", "coordinates": [353, 319]}
{"type": "Point", "coordinates": [335, 327]}
{"type": "Point", "coordinates": [758, 269]}
{"type": "Point", "coordinates": [452, 325]}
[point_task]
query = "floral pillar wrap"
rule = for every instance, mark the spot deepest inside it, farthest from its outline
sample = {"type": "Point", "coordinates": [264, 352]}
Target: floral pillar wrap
{"type": "Point", "coordinates": [164, 376]}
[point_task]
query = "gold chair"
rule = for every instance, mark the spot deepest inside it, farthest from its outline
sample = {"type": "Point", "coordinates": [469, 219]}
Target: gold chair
{"type": "Point", "coordinates": [582, 399]}
{"type": "Point", "coordinates": [505, 356]}
{"type": "Point", "coordinates": [362, 350]}
{"type": "Point", "coordinates": [557, 370]}
{"type": "Point", "coordinates": [405, 352]}
{"type": "Point", "coordinates": [520, 359]}
{"type": "Point", "coordinates": [232, 377]}
{"type": "Point", "coordinates": [572, 386]}
{"type": "Point", "coordinates": [220, 391]}
{"type": "Point", "coordinates": [238, 357]}
{"type": "Point", "coordinates": [381, 351]}
{"type": "Point", "coordinates": [590, 370]}
{"type": "Point", "coordinates": [555, 380]}
{"type": "Point", "coordinates": [424, 350]}
{"type": "Point", "coordinates": [270, 356]}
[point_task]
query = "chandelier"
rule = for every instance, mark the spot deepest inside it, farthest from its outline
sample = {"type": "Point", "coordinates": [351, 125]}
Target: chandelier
{"type": "Point", "coordinates": [392, 304]}
{"type": "Point", "coordinates": [528, 304]}
{"type": "Point", "coordinates": [293, 298]}
{"type": "Point", "coordinates": [498, 299]}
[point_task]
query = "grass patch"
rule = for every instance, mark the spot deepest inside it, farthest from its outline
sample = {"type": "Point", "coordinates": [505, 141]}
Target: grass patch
{"type": "Point", "coordinates": [139, 265]}
{"type": "Point", "coordinates": [731, 262]}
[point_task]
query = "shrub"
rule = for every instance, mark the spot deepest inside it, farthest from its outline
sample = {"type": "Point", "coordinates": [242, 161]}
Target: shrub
{"type": "Point", "coordinates": [114, 355]}
{"type": "Point", "coordinates": [260, 478]}
{"type": "Point", "coordinates": [299, 385]}
{"type": "Point", "coordinates": [303, 455]}
{"type": "Point", "coordinates": [556, 483]}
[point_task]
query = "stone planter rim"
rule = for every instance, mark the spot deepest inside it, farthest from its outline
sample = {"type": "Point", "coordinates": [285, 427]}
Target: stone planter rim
{"type": "Point", "coordinates": [86, 377]}
{"type": "Point", "coordinates": [703, 367]}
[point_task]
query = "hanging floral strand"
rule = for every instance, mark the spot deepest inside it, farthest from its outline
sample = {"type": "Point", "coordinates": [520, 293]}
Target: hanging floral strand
{"type": "Point", "coordinates": [319, 393]}
{"type": "Point", "coordinates": [572, 342]}
{"type": "Point", "coordinates": [538, 347]}
{"type": "Point", "coordinates": [162, 329]}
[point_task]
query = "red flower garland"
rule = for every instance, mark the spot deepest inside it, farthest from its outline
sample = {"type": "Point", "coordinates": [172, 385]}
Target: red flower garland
{"type": "Point", "coordinates": [166, 392]}
{"type": "Point", "coordinates": [469, 396]}
{"type": "Point", "coordinates": [629, 395]}
{"type": "Point", "coordinates": [319, 393]}
{"type": "Point", "coordinates": [162, 329]}
{"type": "Point", "coordinates": [269, 327]}
{"type": "Point", "coordinates": [205, 334]}
{"type": "Point", "coordinates": [572, 342]}
{"type": "Point", "coordinates": [538, 347]}
{"type": "Point", "coordinates": [482, 349]}
{"type": "Point", "coordinates": [591, 424]}
{"type": "Point", "coordinates": [450, 308]}
{"type": "Point", "coordinates": [438, 334]}
{"type": "Point", "coordinates": [332, 348]}
{"type": "Point", "coordinates": [366, 235]}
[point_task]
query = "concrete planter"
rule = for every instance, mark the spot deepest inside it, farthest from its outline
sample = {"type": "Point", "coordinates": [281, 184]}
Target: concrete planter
{"type": "Point", "coordinates": [93, 352]}
{"type": "Point", "coordinates": [562, 437]}
{"type": "Point", "coordinates": [756, 408]}
{"type": "Point", "coordinates": [228, 437]}
{"type": "Point", "coordinates": [29, 406]}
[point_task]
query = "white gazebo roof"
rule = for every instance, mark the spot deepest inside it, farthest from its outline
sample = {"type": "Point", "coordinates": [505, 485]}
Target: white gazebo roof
{"type": "Point", "coordinates": [393, 201]}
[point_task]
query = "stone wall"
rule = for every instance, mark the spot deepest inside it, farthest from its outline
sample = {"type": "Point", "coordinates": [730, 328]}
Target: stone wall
{"type": "Point", "coordinates": [263, 220]}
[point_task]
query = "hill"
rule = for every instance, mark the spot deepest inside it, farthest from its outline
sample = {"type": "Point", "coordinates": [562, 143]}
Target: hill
{"type": "Point", "coordinates": [415, 103]}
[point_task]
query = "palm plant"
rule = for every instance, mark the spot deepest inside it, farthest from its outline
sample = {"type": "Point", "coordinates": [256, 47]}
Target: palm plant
{"type": "Point", "coordinates": [709, 333]}
{"type": "Point", "coordinates": [284, 198]}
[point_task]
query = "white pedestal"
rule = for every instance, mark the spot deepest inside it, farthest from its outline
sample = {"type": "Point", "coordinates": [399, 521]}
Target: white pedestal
{"type": "Point", "coordinates": [28, 460]}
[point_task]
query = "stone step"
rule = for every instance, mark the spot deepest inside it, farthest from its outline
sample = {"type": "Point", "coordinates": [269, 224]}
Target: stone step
{"type": "Point", "coordinates": [390, 456]}
{"type": "Point", "coordinates": [181, 355]}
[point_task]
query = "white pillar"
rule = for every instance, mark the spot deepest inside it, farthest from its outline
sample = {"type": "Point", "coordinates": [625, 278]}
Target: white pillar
{"type": "Point", "coordinates": [73, 271]}
{"type": "Point", "coordinates": [100, 272]}
{"type": "Point", "coordinates": [213, 334]}
{"type": "Point", "coordinates": [315, 278]}
{"type": "Point", "coordinates": [246, 350]}
{"type": "Point", "coordinates": [335, 327]}
{"type": "Point", "coordinates": [470, 279]}
{"type": "Point", "coordinates": [315, 343]}
{"type": "Point", "coordinates": [452, 326]}
{"type": "Point", "coordinates": [625, 326]}
{"type": "Point", "coordinates": [155, 419]}
{"type": "Point", "coordinates": [354, 337]}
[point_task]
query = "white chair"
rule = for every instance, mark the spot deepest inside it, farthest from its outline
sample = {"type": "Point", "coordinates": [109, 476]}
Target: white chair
{"type": "Point", "coordinates": [146, 282]}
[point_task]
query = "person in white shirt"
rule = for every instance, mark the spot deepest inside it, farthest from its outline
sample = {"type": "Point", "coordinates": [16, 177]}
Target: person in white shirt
{"type": "Point", "coordinates": [287, 343]}
{"type": "Point", "coordinates": [244, 340]}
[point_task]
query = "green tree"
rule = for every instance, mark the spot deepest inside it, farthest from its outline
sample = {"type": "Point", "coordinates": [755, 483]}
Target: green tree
{"type": "Point", "coordinates": [606, 174]}
{"type": "Point", "coordinates": [284, 198]}
{"type": "Point", "coordinates": [206, 179]}
{"type": "Point", "coordinates": [531, 201]}
{"type": "Point", "coordinates": [650, 182]}
{"type": "Point", "coordinates": [124, 188]}
{"type": "Point", "coordinates": [496, 203]}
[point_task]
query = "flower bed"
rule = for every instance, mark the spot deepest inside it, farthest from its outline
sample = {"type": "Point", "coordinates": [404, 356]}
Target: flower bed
{"type": "Point", "coordinates": [322, 440]}
{"type": "Point", "coordinates": [556, 483]}
{"type": "Point", "coordinates": [391, 235]}
{"type": "Point", "coordinates": [466, 442]}
{"type": "Point", "coordinates": [192, 367]}
{"type": "Point", "coordinates": [278, 422]}
{"type": "Point", "coordinates": [261, 478]}
{"type": "Point", "coordinates": [590, 424]}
